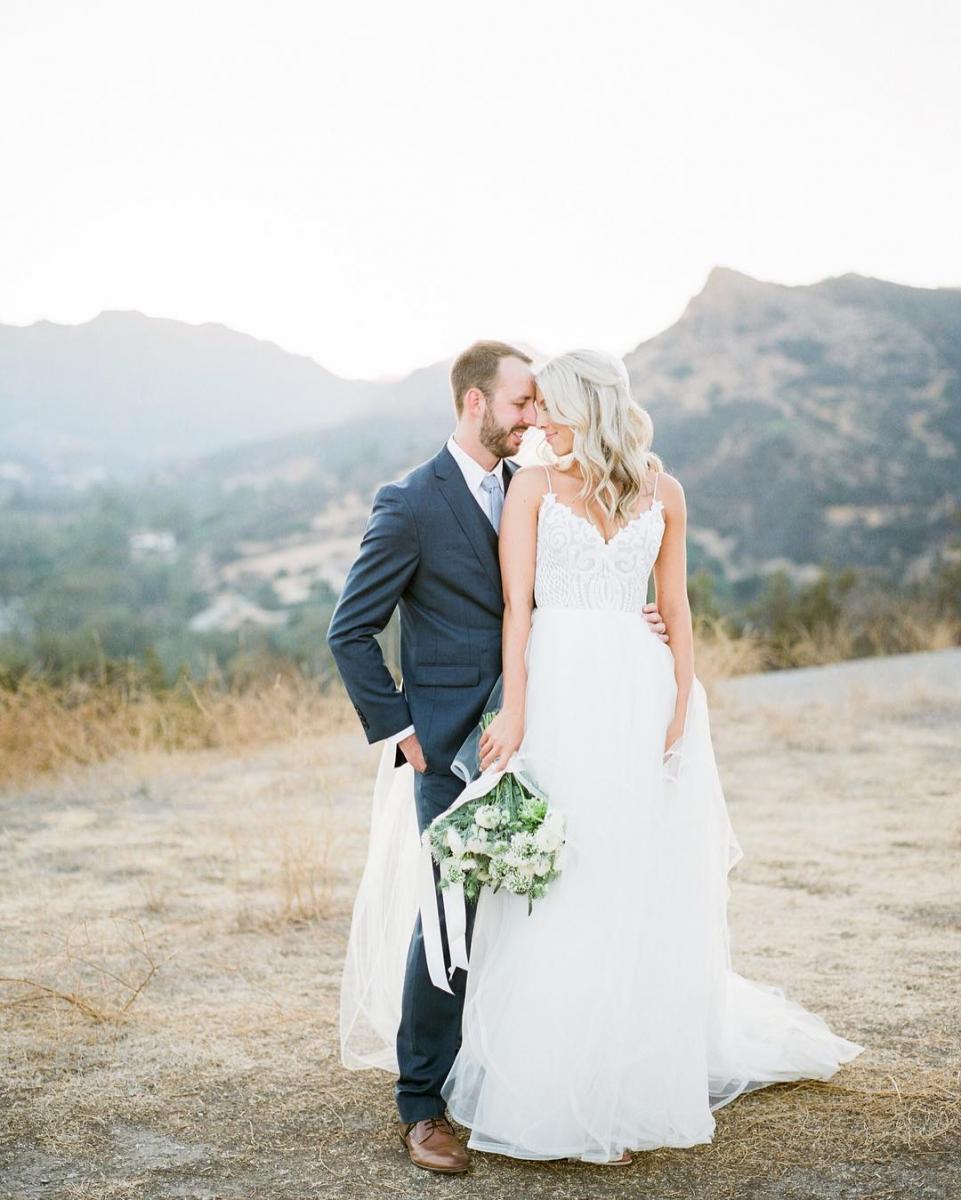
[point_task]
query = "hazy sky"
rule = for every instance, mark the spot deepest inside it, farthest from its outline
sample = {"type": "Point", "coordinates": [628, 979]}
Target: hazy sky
{"type": "Point", "coordinates": [377, 184]}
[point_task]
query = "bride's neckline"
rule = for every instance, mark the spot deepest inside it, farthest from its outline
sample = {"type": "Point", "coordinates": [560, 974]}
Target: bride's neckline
{"type": "Point", "coordinates": [655, 505]}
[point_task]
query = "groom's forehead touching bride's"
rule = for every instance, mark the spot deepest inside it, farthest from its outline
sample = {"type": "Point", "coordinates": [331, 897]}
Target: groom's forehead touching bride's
{"type": "Point", "coordinates": [493, 391]}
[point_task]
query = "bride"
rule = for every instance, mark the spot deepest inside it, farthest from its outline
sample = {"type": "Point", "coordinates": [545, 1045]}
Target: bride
{"type": "Point", "coordinates": [610, 1019]}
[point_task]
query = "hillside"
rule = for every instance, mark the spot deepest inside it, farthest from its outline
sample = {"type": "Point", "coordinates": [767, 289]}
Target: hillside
{"type": "Point", "coordinates": [124, 390]}
{"type": "Point", "coordinates": [811, 424]}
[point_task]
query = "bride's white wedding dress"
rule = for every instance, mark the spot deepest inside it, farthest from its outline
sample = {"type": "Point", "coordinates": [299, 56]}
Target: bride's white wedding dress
{"type": "Point", "coordinates": [610, 1019]}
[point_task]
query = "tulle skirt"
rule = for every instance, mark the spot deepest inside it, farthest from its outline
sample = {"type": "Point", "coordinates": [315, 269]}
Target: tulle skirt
{"type": "Point", "coordinates": [610, 1018]}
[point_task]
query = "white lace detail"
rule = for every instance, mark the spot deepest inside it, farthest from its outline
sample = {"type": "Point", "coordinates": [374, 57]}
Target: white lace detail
{"type": "Point", "coordinates": [576, 568]}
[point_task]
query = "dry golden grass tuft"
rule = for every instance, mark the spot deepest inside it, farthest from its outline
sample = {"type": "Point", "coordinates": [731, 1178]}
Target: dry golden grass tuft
{"type": "Point", "coordinates": [904, 632]}
{"type": "Point", "coordinates": [44, 728]}
{"type": "Point", "coordinates": [720, 655]}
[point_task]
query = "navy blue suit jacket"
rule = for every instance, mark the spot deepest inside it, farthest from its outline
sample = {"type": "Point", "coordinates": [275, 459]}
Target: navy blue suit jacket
{"type": "Point", "coordinates": [430, 550]}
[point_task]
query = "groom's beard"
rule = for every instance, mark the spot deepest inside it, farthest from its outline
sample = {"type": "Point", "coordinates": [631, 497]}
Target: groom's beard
{"type": "Point", "coordinates": [496, 438]}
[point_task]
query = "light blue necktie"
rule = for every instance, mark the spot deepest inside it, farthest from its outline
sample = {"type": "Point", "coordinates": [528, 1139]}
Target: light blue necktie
{"type": "Point", "coordinates": [495, 499]}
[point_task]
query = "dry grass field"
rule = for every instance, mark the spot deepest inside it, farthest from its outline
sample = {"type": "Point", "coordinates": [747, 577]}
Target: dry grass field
{"type": "Point", "coordinates": [174, 924]}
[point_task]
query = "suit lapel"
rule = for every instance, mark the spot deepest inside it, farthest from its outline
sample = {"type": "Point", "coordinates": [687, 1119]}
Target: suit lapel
{"type": "Point", "coordinates": [470, 516]}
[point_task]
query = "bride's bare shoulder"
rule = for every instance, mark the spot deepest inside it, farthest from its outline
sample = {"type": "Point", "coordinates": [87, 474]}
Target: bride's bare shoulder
{"type": "Point", "coordinates": [671, 491]}
{"type": "Point", "coordinates": [530, 481]}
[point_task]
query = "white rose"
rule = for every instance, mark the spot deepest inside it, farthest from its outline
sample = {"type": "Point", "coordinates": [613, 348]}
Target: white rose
{"type": "Point", "coordinates": [547, 838]}
{"type": "Point", "coordinates": [455, 843]}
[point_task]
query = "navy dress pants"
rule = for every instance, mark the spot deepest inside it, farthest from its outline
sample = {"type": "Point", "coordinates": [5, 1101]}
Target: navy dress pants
{"type": "Point", "coordinates": [429, 1033]}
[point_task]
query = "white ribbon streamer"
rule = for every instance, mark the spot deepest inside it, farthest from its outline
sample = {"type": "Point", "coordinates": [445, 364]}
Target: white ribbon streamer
{"type": "Point", "coordinates": [455, 909]}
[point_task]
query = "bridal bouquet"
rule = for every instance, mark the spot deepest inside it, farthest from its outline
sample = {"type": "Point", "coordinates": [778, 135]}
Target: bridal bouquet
{"type": "Point", "coordinates": [506, 838]}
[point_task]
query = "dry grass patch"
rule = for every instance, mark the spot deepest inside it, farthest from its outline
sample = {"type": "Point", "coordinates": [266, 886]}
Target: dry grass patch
{"type": "Point", "coordinates": [45, 729]}
{"type": "Point", "coordinates": [223, 880]}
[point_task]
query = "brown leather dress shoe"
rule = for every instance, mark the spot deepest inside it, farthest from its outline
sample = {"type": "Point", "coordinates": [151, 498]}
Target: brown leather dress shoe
{"type": "Point", "coordinates": [433, 1145]}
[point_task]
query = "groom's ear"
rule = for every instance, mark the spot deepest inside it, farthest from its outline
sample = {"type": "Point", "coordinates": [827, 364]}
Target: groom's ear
{"type": "Point", "coordinates": [474, 401]}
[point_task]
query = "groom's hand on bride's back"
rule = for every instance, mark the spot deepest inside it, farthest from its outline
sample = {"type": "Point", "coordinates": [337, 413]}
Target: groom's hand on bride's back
{"type": "Point", "coordinates": [655, 622]}
{"type": "Point", "coordinates": [411, 749]}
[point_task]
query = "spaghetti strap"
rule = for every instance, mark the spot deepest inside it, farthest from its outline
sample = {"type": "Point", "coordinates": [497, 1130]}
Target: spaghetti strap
{"type": "Point", "coordinates": [548, 470]}
{"type": "Point", "coordinates": [657, 476]}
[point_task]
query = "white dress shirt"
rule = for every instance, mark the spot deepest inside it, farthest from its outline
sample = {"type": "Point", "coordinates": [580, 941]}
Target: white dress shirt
{"type": "Point", "coordinates": [473, 474]}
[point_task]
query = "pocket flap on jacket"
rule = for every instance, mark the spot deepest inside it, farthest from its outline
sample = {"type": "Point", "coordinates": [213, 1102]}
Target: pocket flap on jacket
{"type": "Point", "coordinates": [447, 674]}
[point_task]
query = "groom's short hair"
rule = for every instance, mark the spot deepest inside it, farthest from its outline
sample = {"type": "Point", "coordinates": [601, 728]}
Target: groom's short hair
{"type": "Point", "coordinates": [477, 367]}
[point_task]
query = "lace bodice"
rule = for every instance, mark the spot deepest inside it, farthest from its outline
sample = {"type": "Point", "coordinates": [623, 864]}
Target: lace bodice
{"type": "Point", "coordinates": [576, 568]}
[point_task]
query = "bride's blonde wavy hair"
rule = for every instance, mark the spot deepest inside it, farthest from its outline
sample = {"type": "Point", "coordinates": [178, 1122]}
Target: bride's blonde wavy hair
{"type": "Point", "coordinates": [590, 391]}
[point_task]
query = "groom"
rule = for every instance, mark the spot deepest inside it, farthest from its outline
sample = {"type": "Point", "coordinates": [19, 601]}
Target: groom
{"type": "Point", "coordinates": [430, 548]}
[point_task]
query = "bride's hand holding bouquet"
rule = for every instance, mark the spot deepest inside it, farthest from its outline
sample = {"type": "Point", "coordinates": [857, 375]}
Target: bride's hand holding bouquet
{"type": "Point", "coordinates": [500, 739]}
{"type": "Point", "coordinates": [507, 836]}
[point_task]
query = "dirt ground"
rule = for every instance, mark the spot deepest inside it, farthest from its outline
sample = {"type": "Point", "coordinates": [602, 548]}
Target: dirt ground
{"type": "Point", "coordinates": [174, 929]}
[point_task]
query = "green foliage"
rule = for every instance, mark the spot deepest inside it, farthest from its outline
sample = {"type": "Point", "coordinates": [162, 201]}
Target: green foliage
{"type": "Point", "coordinates": [945, 580]}
{"type": "Point", "coordinates": [702, 596]}
{"type": "Point", "coordinates": [783, 610]}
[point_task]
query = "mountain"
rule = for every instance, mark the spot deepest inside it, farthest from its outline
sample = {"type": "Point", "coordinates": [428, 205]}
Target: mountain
{"type": "Point", "coordinates": [124, 390]}
{"type": "Point", "coordinates": [811, 423]}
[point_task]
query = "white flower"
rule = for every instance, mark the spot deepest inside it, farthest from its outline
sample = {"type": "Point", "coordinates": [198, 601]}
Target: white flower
{"type": "Point", "coordinates": [488, 816]}
{"type": "Point", "coordinates": [454, 842]}
{"type": "Point", "coordinates": [547, 838]}
{"type": "Point", "coordinates": [477, 845]}
{"type": "Point", "coordinates": [450, 870]}
{"type": "Point", "coordinates": [542, 865]}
